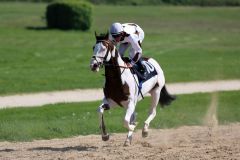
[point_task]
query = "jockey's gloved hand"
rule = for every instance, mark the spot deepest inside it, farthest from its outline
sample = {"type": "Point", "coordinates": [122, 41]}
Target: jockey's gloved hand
{"type": "Point", "coordinates": [133, 62]}
{"type": "Point", "coordinates": [135, 59]}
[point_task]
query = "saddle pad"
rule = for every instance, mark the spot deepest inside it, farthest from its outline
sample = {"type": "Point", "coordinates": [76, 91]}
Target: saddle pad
{"type": "Point", "coordinates": [150, 71]}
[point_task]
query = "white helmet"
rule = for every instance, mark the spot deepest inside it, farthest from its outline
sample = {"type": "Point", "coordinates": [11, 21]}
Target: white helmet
{"type": "Point", "coordinates": [116, 28]}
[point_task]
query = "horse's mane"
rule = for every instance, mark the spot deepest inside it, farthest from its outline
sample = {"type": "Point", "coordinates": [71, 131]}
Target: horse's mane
{"type": "Point", "coordinates": [102, 36]}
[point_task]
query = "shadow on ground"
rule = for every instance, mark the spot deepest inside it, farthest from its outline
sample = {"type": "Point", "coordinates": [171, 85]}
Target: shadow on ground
{"type": "Point", "coordinates": [65, 149]}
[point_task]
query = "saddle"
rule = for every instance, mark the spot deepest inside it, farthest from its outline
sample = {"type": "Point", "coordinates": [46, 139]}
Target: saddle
{"type": "Point", "coordinates": [143, 75]}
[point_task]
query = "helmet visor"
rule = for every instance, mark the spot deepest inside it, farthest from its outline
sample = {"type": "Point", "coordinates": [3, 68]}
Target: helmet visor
{"type": "Point", "coordinates": [116, 35]}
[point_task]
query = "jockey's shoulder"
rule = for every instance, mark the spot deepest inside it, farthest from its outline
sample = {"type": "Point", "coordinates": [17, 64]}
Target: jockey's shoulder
{"type": "Point", "coordinates": [131, 37]}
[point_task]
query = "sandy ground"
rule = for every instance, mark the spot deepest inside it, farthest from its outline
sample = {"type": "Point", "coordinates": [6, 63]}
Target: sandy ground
{"type": "Point", "coordinates": [219, 142]}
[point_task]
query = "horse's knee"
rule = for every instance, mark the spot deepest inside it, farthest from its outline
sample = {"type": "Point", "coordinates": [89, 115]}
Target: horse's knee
{"type": "Point", "coordinates": [106, 106]}
{"type": "Point", "coordinates": [154, 113]}
{"type": "Point", "coordinates": [100, 109]}
{"type": "Point", "coordinates": [129, 126]}
{"type": "Point", "coordinates": [103, 107]}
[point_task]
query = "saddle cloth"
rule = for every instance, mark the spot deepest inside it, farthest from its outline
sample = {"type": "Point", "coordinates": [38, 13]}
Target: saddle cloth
{"type": "Point", "coordinates": [150, 70]}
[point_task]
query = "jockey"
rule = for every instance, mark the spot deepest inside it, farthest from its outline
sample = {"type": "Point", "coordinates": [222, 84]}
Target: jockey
{"type": "Point", "coordinates": [129, 34]}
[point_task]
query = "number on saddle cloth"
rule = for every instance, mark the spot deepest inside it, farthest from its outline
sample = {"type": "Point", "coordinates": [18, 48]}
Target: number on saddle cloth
{"type": "Point", "coordinates": [149, 71]}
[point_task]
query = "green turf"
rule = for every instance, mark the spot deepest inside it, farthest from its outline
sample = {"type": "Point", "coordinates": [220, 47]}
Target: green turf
{"type": "Point", "coordinates": [191, 44]}
{"type": "Point", "coordinates": [66, 120]}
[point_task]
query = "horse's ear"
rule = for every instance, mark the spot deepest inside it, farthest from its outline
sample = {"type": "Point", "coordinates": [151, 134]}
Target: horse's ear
{"type": "Point", "coordinates": [107, 35]}
{"type": "Point", "coordinates": [95, 34]}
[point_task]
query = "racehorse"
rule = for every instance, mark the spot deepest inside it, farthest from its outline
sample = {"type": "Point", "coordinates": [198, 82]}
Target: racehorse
{"type": "Point", "coordinates": [123, 87]}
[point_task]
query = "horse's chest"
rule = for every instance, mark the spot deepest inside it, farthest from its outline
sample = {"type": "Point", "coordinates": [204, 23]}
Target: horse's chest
{"type": "Point", "coordinates": [116, 91]}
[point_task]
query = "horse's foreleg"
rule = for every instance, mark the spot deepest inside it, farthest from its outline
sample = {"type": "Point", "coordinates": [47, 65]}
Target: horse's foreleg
{"type": "Point", "coordinates": [129, 122]}
{"type": "Point", "coordinates": [101, 108]}
{"type": "Point", "coordinates": [155, 94]}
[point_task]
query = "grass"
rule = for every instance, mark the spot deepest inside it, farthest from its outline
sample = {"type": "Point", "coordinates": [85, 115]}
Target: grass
{"type": "Point", "coordinates": [191, 44]}
{"type": "Point", "coordinates": [66, 120]}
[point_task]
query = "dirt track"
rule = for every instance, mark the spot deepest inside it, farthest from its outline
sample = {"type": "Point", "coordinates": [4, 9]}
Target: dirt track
{"type": "Point", "coordinates": [196, 142]}
{"type": "Point", "coordinates": [219, 142]}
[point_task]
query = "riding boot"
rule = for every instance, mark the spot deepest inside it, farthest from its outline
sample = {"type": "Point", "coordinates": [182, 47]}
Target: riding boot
{"type": "Point", "coordinates": [142, 68]}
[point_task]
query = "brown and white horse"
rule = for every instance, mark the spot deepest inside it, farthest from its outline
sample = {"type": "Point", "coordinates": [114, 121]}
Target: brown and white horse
{"type": "Point", "coordinates": [122, 86]}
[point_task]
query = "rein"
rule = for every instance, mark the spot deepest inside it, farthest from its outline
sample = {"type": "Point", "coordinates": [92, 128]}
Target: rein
{"type": "Point", "coordinates": [125, 67]}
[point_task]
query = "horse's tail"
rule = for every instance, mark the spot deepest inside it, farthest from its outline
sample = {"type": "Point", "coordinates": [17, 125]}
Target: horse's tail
{"type": "Point", "coordinates": [165, 97]}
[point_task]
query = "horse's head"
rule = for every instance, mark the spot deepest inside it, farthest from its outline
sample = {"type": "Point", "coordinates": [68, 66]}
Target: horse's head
{"type": "Point", "coordinates": [101, 51]}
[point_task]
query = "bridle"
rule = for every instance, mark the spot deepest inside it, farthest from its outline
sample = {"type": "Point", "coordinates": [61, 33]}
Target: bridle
{"type": "Point", "coordinates": [103, 58]}
{"type": "Point", "coordinates": [107, 57]}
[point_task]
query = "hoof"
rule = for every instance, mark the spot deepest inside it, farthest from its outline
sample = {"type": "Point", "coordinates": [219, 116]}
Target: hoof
{"type": "Point", "coordinates": [105, 137]}
{"type": "Point", "coordinates": [144, 134]}
{"type": "Point", "coordinates": [126, 143]}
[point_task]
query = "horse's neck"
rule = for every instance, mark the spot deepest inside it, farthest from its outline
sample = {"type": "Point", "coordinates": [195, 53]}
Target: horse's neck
{"type": "Point", "coordinates": [119, 60]}
{"type": "Point", "coordinates": [115, 67]}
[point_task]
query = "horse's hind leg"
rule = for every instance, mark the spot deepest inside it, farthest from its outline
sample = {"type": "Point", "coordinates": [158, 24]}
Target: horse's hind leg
{"type": "Point", "coordinates": [155, 94]}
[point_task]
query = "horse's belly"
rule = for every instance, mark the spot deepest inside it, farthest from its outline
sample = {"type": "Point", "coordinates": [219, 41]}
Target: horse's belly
{"type": "Point", "coordinates": [149, 85]}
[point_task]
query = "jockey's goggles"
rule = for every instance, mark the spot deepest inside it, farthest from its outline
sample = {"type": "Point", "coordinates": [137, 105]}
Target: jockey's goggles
{"type": "Point", "coordinates": [116, 35]}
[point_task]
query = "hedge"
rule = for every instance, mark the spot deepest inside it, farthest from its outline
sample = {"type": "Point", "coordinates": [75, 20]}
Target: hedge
{"type": "Point", "coordinates": [69, 14]}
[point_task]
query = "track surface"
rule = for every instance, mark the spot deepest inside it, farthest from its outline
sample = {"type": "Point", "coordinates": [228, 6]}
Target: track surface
{"type": "Point", "coordinates": [218, 142]}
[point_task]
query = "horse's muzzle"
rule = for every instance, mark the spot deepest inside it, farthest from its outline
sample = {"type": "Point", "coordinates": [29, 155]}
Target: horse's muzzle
{"type": "Point", "coordinates": [94, 67]}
